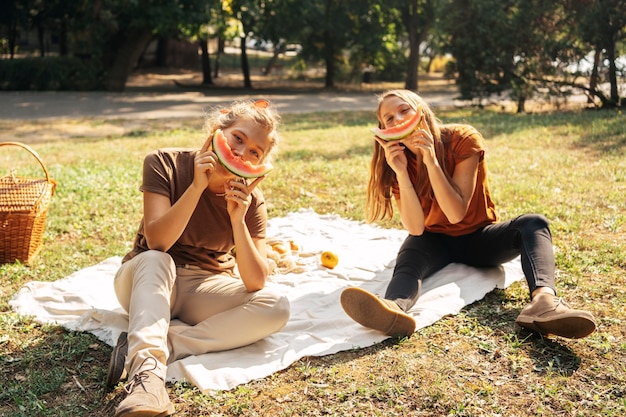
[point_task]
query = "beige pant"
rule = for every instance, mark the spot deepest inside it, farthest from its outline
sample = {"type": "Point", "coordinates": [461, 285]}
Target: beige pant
{"type": "Point", "coordinates": [174, 312]}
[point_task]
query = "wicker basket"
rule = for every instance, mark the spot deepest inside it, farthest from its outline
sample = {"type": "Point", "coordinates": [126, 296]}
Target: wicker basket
{"type": "Point", "coordinates": [23, 210]}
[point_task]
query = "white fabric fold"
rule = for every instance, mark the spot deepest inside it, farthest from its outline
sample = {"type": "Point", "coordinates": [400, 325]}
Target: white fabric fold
{"type": "Point", "coordinates": [85, 300]}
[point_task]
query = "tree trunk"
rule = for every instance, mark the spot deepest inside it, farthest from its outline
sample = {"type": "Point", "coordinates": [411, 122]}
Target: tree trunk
{"type": "Point", "coordinates": [220, 50]}
{"type": "Point", "coordinates": [521, 104]}
{"type": "Point", "coordinates": [245, 66]}
{"type": "Point", "coordinates": [161, 52]}
{"type": "Point", "coordinates": [12, 39]}
{"type": "Point", "coordinates": [329, 60]}
{"type": "Point", "coordinates": [411, 14]}
{"type": "Point", "coordinates": [123, 53]}
{"type": "Point", "coordinates": [593, 78]}
{"type": "Point", "coordinates": [278, 49]}
{"type": "Point", "coordinates": [63, 48]}
{"type": "Point", "coordinates": [206, 63]}
{"type": "Point", "coordinates": [414, 59]}
{"type": "Point", "coordinates": [40, 36]}
{"type": "Point", "coordinates": [610, 52]}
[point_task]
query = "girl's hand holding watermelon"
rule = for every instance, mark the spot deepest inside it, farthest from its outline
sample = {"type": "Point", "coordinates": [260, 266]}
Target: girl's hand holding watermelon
{"type": "Point", "coordinates": [204, 165]}
{"type": "Point", "coordinates": [197, 209]}
{"type": "Point", "coordinates": [436, 174]}
{"type": "Point", "coordinates": [394, 154]}
{"type": "Point", "coordinates": [421, 142]}
{"type": "Point", "coordinates": [238, 197]}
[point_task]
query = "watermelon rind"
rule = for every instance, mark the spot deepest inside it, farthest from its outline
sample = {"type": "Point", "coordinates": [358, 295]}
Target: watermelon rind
{"type": "Point", "coordinates": [400, 131]}
{"type": "Point", "coordinates": [224, 154]}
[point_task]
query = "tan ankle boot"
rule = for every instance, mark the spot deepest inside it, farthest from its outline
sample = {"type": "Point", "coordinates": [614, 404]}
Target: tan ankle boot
{"type": "Point", "coordinates": [549, 314]}
{"type": "Point", "coordinates": [146, 397]}
{"type": "Point", "coordinates": [375, 313]}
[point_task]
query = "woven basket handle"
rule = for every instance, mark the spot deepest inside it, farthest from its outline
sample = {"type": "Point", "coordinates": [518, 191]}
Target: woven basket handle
{"type": "Point", "coordinates": [32, 152]}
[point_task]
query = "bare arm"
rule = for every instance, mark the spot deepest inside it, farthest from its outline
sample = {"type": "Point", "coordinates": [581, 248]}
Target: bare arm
{"type": "Point", "coordinates": [251, 252]}
{"type": "Point", "coordinates": [251, 259]}
{"type": "Point", "coordinates": [411, 213]}
{"type": "Point", "coordinates": [164, 222]}
{"type": "Point", "coordinates": [409, 206]}
{"type": "Point", "coordinates": [453, 196]}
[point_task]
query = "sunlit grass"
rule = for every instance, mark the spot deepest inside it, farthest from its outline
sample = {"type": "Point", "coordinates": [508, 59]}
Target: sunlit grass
{"type": "Point", "coordinates": [568, 166]}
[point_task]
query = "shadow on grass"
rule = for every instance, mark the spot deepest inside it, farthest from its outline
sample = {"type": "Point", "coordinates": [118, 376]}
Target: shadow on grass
{"type": "Point", "coordinates": [48, 370]}
{"type": "Point", "coordinates": [549, 354]}
{"type": "Point", "coordinates": [603, 131]}
{"type": "Point", "coordinates": [607, 136]}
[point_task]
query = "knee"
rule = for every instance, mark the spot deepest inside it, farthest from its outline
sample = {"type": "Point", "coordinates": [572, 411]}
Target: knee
{"type": "Point", "coordinates": [282, 310]}
{"type": "Point", "coordinates": [278, 307]}
{"type": "Point", "coordinates": [156, 264]}
{"type": "Point", "coordinates": [156, 257]}
{"type": "Point", "coordinates": [534, 222]}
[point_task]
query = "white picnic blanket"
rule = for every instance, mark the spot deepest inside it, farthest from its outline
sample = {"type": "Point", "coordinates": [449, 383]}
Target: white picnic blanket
{"type": "Point", "coordinates": [318, 326]}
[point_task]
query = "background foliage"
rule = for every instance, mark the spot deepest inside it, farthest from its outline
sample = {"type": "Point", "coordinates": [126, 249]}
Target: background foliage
{"type": "Point", "coordinates": [518, 47]}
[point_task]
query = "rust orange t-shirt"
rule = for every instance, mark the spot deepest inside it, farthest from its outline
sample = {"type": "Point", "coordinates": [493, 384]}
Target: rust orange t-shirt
{"type": "Point", "coordinates": [208, 239]}
{"type": "Point", "coordinates": [461, 142]}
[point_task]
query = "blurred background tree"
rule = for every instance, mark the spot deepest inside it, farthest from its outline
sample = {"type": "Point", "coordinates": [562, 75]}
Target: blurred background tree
{"type": "Point", "coordinates": [521, 48]}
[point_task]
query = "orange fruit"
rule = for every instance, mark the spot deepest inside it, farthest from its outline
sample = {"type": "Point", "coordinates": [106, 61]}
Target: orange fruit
{"type": "Point", "coordinates": [280, 248]}
{"type": "Point", "coordinates": [329, 259]}
{"type": "Point", "coordinates": [293, 245]}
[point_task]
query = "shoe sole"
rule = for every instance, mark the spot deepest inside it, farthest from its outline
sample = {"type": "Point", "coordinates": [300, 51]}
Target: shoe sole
{"type": "Point", "coordinates": [371, 312]}
{"type": "Point", "coordinates": [568, 325]}
{"type": "Point", "coordinates": [116, 363]}
{"type": "Point", "coordinates": [168, 411]}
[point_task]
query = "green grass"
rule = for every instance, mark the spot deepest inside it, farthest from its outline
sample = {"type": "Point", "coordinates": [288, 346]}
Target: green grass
{"type": "Point", "coordinates": [570, 166]}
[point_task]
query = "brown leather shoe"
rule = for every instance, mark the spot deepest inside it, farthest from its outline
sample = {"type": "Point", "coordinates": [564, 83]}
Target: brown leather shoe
{"type": "Point", "coordinates": [117, 361]}
{"type": "Point", "coordinates": [146, 396]}
{"type": "Point", "coordinates": [375, 313]}
{"type": "Point", "coordinates": [549, 314]}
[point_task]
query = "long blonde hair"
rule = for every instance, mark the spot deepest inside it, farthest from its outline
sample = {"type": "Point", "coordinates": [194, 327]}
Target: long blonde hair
{"type": "Point", "coordinates": [378, 205]}
{"type": "Point", "coordinates": [262, 112]}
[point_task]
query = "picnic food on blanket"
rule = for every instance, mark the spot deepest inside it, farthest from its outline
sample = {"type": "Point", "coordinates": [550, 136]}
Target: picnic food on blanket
{"type": "Point", "coordinates": [280, 247]}
{"type": "Point", "coordinates": [282, 258]}
{"type": "Point", "coordinates": [234, 163]}
{"type": "Point", "coordinates": [329, 259]}
{"type": "Point", "coordinates": [401, 130]}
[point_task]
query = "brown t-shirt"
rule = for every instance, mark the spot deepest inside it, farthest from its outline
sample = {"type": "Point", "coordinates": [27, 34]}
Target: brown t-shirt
{"type": "Point", "coordinates": [208, 239]}
{"type": "Point", "coordinates": [461, 142]}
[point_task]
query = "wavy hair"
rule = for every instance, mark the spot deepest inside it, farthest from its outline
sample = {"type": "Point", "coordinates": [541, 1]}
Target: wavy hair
{"type": "Point", "coordinates": [378, 205]}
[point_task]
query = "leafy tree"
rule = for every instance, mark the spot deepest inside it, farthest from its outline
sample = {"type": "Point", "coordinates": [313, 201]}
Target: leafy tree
{"type": "Point", "coordinates": [329, 28]}
{"type": "Point", "coordinates": [511, 45]}
{"type": "Point", "coordinates": [117, 32]}
{"type": "Point", "coordinates": [542, 51]}
{"type": "Point", "coordinates": [602, 25]}
{"type": "Point", "coordinates": [247, 13]}
{"type": "Point", "coordinates": [15, 14]}
{"type": "Point", "coordinates": [326, 28]}
{"type": "Point", "coordinates": [417, 17]}
{"type": "Point", "coordinates": [480, 38]}
{"type": "Point", "coordinates": [207, 24]}
{"type": "Point", "coordinates": [278, 26]}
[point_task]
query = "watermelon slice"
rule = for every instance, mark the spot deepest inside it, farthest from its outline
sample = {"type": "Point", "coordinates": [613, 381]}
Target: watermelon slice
{"type": "Point", "coordinates": [235, 163]}
{"type": "Point", "coordinates": [402, 130]}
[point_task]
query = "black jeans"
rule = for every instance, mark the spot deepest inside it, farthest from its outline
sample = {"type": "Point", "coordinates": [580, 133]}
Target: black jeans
{"type": "Point", "coordinates": [421, 256]}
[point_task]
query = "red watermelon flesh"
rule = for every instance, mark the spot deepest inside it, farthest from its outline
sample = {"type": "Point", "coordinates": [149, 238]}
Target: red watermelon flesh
{"type": "Point", "coordinates": [235, 163]}
{"type": "Point", "coordinates": [401, 130]}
